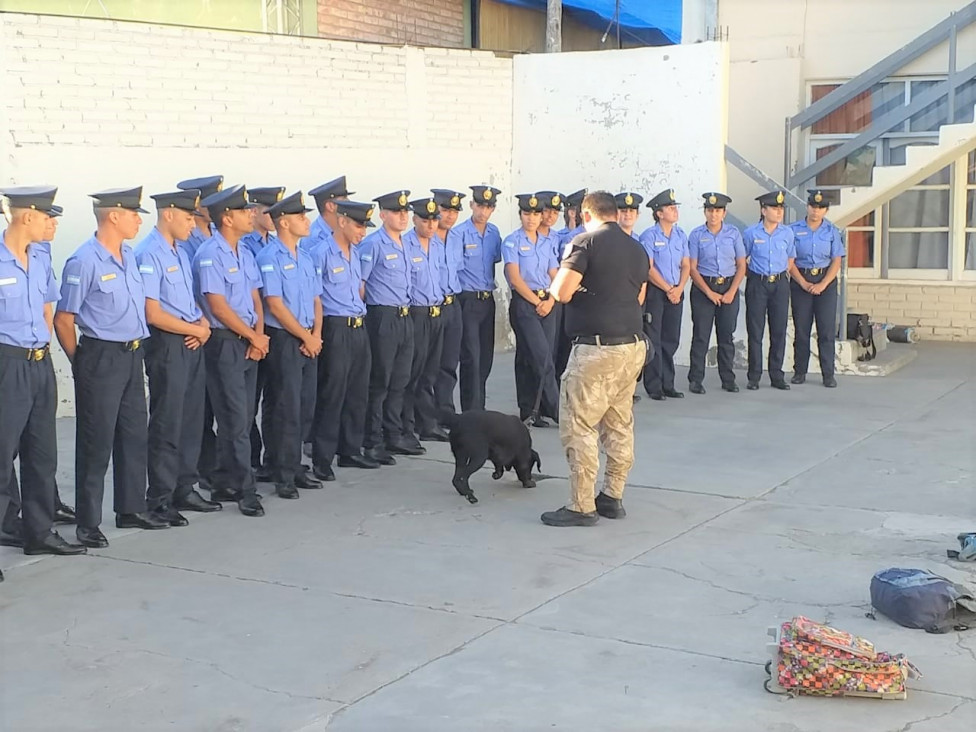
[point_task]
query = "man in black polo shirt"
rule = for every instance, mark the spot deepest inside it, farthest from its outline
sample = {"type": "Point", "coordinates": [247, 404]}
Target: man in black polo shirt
{"type": "Point", "coordinates": [603, 281]}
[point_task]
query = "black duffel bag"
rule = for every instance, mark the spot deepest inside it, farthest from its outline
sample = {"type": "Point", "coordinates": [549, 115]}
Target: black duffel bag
{"type": "Point", "coordinates": [859, 329]}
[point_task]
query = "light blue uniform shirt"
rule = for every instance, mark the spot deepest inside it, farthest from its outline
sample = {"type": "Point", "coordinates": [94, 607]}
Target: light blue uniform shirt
{"type": "Point", "coordinates": [341, 279]}
{"type": "Point", "coordinates": [218, 271]}
{"type": "Point", "coordinates": [318, 232]}
{"type": "Point", "coordinates": [479, 254]}
{"type": "Point", "coordinates": [195, 240]}
{"type": "Point", "coordinates": [534, 260]}
{"type": "Point", "coordinates": [255, 242]}
{"type": "Point", "coordinates": [23, 295]}
{"type": "Point", "coordinates": [425, 270]}
{"type": "Point", "coordinates": [106, 296]}
{"type": "Point", "coordinates": [385, 270]}
{"type": "Point", "coordinates": [817, 248]}
{"type": "Point", "coordinates": [665, 252]}
{"type": "Point", "coordinates": [167, 276]}
{"type": "Point", "coordinates": [769, 254]}
{"type": "Point", "coordinates": [294, 279]}
{"type": "Point", "coordinates": [449, 256]}
{"type": "Point", "coordinates": [716, 253]}
{"type": "Point", "coordinates": [567, 235]}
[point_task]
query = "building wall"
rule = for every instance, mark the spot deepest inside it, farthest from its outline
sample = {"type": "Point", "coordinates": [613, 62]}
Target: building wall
{"type": "Point", "coordinates": [416, 22]}
{"type": "Point", "coordinates": [939, 311]}
{"type": "Point", "coordinates": [92, 104]}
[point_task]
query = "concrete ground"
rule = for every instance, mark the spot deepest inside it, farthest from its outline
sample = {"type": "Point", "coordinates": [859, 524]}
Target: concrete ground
{"type": "Point", "coordinates": [387, 602]}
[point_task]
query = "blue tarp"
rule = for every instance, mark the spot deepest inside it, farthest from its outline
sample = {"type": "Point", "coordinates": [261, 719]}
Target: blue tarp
{"type": "Point", "coordinates": [654, 22]}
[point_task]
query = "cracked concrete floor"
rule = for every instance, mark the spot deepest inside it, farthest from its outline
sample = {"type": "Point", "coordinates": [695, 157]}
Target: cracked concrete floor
{"type": "Point", "coordinates": [386, 602]}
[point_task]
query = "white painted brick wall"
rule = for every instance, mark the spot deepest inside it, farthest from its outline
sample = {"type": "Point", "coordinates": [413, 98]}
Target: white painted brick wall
{"type": "Point", "coordinates": [938, 311]}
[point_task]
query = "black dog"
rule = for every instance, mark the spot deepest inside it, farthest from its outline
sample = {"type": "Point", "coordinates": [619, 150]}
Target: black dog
{"type": "Point", "coordinates": [479, 436]}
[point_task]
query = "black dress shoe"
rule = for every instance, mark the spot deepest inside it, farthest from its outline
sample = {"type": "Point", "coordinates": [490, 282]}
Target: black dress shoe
{"type": "Point", "coordinates": [53, 544]}
{"type": "Point", "coordinates": [91, 537]}
{"type": "Point", "coordinates": [219, 495]}
{"type": "Point", "coordinates": [357, 461]}
{"type": "Point", "coordinates": [306, 481]}
{"type": "Point", "coordinates": [696, 388]}
{"type": "Point", "coordinates": [193, 501]}
{"type": "Point", "coordinates": [674, 394]}
{"type": "Point", "coordinates": [611, 508]}
{"type": "Point", "coordinates": [380, 455]}
{"type": "Point", "coordinates": [63, 514]}
{"type": "Point", "coordinates": [171, 516]}
{"type": "Point", "coordinates": [14, 540]}
{"type": "Point", "coordinates": [251, 506]}
{"type": "Point", "coordinates": [567, 517]}
{"type": "Point", "coordinates": [286, 491]}
{"type": "Point", "coordinates": [656, 396]}
{"type": "Point", "coordinates": [402, 447]}
{"type": "Point", "coordinates": [830, 382]}
{"type": "Point", "coordinates": [435, 434]}
{"type": "Point", "coordinates": [752, 385]}
{"type": "Point", "coordinates": [541, 422]}
{"type": "Point", "coordinates": [139, 521]}
{"type": "Point", "coordinates": [731, 388]}
{"type": "Point", "coordinates": [798, 378]}
{"type": "Point", "coordinates": [325, 473]}
{"type": "Point", "coordinates": [781, 385]}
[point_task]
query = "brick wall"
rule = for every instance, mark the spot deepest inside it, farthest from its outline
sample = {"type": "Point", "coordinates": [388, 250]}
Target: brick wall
{"type": "Point", "coordinates": [938, 311]}
{"type": "Point", "coordinates": [416, 22]}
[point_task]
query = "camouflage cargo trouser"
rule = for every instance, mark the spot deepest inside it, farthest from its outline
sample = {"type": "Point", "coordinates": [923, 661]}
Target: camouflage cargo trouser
{"type": "Point", "coordinates": [596, 406]}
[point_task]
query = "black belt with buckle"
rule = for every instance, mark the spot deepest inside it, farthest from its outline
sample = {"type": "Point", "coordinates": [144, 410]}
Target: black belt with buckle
{"type": "Point", "coordinates": [542, 294]}
{"type": "Point", "coordinates": [434, 311]}
{"type": "Point", "coordinates": [25, 354]}
{"type": "Point", "coordinates": [768, 278]}
{"type": "Point", "coordinates": [226, 333]}
{"type": "Point", "coordinates": [130, 346]}
{"type": "Point", "coordinates": [481, 294]}
{"type": "Point", "coordinates": [595, 340]}
{"type": "Point", "coordinates": [353, 321]}
{"type": "Point", "coordinates": [813, 271]}
{"type": "Point", "coordinates": [449, 299]}
{"type": "Point", "coordinates": [720, 280]}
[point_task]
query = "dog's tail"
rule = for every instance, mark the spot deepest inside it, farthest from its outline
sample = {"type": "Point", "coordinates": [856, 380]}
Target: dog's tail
{"type": "Point", "coordinates": [448, 418]}
{"type": "Point", "coordinates": [536, 460]}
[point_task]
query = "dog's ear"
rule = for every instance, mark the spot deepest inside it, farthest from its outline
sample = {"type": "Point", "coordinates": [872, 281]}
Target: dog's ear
{"type": "Point", "coordinates": [536, 460]}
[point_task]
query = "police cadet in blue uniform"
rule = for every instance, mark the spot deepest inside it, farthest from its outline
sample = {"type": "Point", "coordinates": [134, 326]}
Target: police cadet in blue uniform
{"type": "Point", "coordinates": [345, 363]}
{"type": "Point", "coordinates": [628, 211]}
{"type": "Point", "coordinates": [426, 298]}
{"type": "Point", "coordinates": [327, 197]}
{"type": "Point", "coordinates": [718, 266]}
{"type": "Point", "coordinates": [667, 248]}
{"type": "Point", "coordinates": [174, 361]}
{"type": "Point", "coordinates": [813, 287]}
{"type": "Point", "coordinates": [481, 249]}
{"type": "Point", "coordinates": [102, 293]}
{"type": "Point", "coordinates": [447, 244]}
{"type": "Point", "coordinates": [771, 250]}
{"type": "Point", "coordinates": [227, 283]}
{"type": "Point", "coordinates": [28, 388]}
{"type": "Point", "coordinates": [574, 227]}
{"type": "Point", "coordinates": [263, 199]}
{"type": "Point", "coordinates": [207, 185]}
{"type": "Point", "coordinates": [552, 206]}
{"type": "Point", "coordinates": [387, 276]}
{"type": "Point", "coordinates": [530, 265]}
{"type": "Point", "coordinates": [293, 321]}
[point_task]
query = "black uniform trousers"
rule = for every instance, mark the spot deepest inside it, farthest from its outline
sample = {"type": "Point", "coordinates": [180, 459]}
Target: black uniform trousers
{"type": "Point", "coordinates": [704, 316]}
{"type": "Point", "coordinates": [391, 346]}
{"type": "Point", "coordinates": [477, 347]}
{"type": "Point", "coordinates": [28, 407]}
{"type": "Point", "coordinates": [662, 324]}
{"type": "Point", "coordinates": [288, 405]}
{"type": "Point", "coordinates": [770, 301]}
{"type": "Point", "coordinates": [231, 379]}
{"type": "Point", "coordinates": [110, 400]}
{"type": "Point", "coordinates": [343, 388]}
{"type": "Point", "coordinates": [177, 385]}
{"type": "Point", "coordinates": [535, 337]}
{"type": "Point", "coordinates": [450, 357]}
{"type": "Point", "coordinates": [257, 436]}
{"type": "Point", "coordinates": [805, 308]}
{"type": "Point", "coordinates": [419, 409]}
{"type": "Point", "coordinates": [207, 462]}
